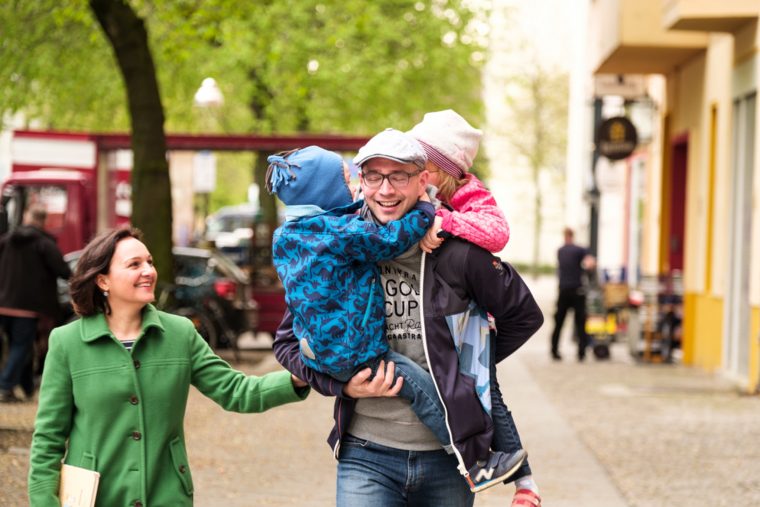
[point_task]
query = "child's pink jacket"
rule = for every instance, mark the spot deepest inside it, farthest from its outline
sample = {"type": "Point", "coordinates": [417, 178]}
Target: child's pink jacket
{"type": "Point", "coordinates": [476, 216]}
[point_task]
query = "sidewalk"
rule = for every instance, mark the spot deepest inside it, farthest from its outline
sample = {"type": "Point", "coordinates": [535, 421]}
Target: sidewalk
{"type": "Point", "coordinates": [651, 434]}
{"type": "Point", "coordinates": [565, 468]}
{"type": "Point", "coordinates": [599, 434]}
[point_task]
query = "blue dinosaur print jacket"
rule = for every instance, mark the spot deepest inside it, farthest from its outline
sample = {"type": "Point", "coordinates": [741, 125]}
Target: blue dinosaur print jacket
{"type": "Point", "coordinates": [328, 265]}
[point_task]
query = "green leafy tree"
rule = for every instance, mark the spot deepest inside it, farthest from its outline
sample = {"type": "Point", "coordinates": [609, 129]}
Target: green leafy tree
{"type": "Point", "coordinates": [68, 75]}
{"type": "Point", "coordinates": [306, 66]}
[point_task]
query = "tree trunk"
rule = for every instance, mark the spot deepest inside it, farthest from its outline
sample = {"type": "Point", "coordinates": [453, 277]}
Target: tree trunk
{"type": "Point", "coordinates": [151, 187]}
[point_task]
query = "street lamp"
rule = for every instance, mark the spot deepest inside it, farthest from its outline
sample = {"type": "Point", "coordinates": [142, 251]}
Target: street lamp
{"type": "Point", "coordinates": [209, 95]}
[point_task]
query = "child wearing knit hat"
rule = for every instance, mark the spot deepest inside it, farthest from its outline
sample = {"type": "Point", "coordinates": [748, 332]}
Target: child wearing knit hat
{"type": "Point", "coordinates": [471, 213]}
{"type": "Point", "coordinates": [451, 145]}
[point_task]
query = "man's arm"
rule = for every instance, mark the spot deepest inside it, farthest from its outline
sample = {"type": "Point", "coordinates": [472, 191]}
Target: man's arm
{"type": "Point", "coordinates": [54, 260]}
{"type": "Point", "coordinates": [496, 287]}
{"type": "Point", "coordinates": [287, 353]}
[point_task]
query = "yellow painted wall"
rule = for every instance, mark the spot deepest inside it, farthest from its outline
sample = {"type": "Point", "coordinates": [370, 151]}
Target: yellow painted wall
{"type": "Point", "coordinates": [702, 331]}
{"type": "Point", "coordinates": [641, 24]}
{"type": "Point", "coordinates": [754, 350]}
{"type": "Point", "coordinates": [717, 178]}
{"type": "Point", "coordinates": [688, 338]}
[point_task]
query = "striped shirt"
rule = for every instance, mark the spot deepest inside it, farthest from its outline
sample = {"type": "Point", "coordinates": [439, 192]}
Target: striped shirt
{"type": "Point", "coordinates": [128, 344]}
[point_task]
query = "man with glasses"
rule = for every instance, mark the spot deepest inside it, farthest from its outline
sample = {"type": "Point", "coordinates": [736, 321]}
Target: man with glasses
{"type": "Point", "coordinates": [386, 456]}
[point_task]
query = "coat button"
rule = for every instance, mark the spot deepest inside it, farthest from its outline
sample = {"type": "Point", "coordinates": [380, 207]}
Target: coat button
{"type": "Point", "coordinates": [136, 435]}
{"type": "Point", "coordinates": [182, 469]}
{"type": "Point", "coordinates": [137, 364]}
{"type": "Point", "coordinates": [138, 504]}
{"type": "Point", "coordinates": [133, 400]}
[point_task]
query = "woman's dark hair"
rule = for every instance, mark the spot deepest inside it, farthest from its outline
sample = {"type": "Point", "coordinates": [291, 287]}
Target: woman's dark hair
{"type": "Point", "coordinates": [86, 296]}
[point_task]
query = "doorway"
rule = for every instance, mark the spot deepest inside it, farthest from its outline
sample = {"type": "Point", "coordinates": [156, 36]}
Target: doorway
{"type": "Point", "coordinates": [677, 198]}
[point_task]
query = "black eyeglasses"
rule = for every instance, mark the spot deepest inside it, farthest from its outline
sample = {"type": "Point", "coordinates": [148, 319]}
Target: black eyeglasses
{"type": "Point", "coordinates": [398, 179]}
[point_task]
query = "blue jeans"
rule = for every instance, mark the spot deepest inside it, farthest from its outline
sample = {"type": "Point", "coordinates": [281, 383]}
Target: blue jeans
{"type": "Point", "coordinates": [505, 436]}
{"type": "Point", "coordinates": [21, 331]}
{"type": "Point", "coordinates": [418, 388]}
{"type": "Point", "coordinates": [372, 475]}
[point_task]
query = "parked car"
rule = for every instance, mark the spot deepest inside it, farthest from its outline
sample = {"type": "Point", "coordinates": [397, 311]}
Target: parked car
{"type": "Point", "coordinates": [232, 225]}
{"type": "Point", "coordinates": [240, 232]}
{"type": "Point", "coordinates": [210, 290]}
{"type": "Point", "coordinates": [230, 230]}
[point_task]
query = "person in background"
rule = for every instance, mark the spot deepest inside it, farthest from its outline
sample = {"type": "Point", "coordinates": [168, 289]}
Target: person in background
{"type": "Point", "coordinates": [116, 382]}
{"type": "Point", "coordinates": [30, 264]}
{"type": "Point", "coordinates": [572, 261]}
{"type": "Point", "coordinates": [469, 211]}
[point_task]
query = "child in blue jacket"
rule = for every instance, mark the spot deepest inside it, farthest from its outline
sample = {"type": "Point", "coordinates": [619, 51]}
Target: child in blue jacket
{"type": "Point", "coordinates": [326, 255]}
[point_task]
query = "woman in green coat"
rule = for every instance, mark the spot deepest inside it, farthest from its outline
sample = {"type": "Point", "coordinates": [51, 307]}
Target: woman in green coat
{"type": "Point", "coordinates": [115, 385]}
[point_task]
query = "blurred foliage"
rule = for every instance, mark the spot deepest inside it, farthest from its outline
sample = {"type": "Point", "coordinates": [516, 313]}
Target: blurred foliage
{"type": "Point", "coordinates": [537, 100]}
{"type": "Point", "coordinates": [234, 178]}
{"type": "Point", "coordinates": [319, 66]}
{"type": "Point", "coordinates": [537, 97]}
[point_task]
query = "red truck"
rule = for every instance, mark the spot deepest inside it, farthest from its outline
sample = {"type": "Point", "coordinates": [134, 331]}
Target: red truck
{"type": "Point", "coordinates": [62, 171]}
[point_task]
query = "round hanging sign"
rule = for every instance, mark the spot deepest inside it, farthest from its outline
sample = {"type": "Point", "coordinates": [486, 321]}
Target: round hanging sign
{"type": "Point", "coordinates": [616, 138]}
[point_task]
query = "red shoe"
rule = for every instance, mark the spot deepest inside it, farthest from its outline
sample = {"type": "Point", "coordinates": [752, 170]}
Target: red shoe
{"type": "Point", "coordinates": [526, 498]}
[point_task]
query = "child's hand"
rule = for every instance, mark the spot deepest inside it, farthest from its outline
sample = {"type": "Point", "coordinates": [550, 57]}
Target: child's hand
{"type": "Point", "coordinates": [431, 241]}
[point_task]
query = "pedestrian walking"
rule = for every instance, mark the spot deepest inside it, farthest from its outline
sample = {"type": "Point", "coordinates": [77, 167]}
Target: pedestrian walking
{"type": "Point", "coordinates": [116, 382]}
{"type": "Point", "coordinates": [30, 264]}
{"type": "Point", "coordinates": [572, 262]}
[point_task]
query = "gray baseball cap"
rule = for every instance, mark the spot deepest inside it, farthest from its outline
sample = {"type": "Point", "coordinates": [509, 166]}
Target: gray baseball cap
{"type": "Point", "coordinates": [393, 145]}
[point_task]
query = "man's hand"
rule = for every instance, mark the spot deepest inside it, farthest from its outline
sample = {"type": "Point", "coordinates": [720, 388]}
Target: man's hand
{"type": "Point", "coordinates": [431, 241]}
{"type": "Point", "coordinates": [380, 386]}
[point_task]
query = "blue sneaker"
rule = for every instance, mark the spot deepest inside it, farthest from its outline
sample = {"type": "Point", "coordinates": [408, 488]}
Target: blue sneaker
{"type": "Point", "coordinates": [499, 467]}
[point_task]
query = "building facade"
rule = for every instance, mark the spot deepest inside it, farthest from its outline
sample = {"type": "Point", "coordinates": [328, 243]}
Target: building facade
{"type": "Point", "coordinates": [698, 172]}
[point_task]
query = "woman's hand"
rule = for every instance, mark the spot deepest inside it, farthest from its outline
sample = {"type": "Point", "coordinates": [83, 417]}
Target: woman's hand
{"type": "Point", "coordinates": [381, 384]}
{"type": "Point", "coordinates": [431, 241]}
{"type": "Point", "coordinates": [297, 382]}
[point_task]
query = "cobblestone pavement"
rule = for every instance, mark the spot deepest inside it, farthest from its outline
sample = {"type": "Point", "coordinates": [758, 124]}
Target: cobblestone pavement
{"type": "Point", "coordinates": [599, 434]}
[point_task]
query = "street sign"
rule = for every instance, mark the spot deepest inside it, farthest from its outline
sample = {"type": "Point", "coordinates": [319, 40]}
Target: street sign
{"type": "Point", "coordinates": [628, 86]}
{"type": "Point", "coordinates": [616, 138]}
{"type": "Point", "coordinates": [204, 172]}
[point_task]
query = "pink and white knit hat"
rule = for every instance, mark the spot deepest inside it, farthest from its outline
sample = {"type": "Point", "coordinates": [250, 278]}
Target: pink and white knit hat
{"type": "Point", "coordinates": [449, 141]}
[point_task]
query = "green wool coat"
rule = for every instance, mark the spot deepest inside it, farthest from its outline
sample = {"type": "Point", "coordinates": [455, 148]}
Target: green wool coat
{"type": "Point", "coordinates": [121, 414]}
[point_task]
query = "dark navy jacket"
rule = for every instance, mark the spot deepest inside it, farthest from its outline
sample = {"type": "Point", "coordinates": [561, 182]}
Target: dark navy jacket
{"type": "Point", "coordinates": [30, 262]}
{"type": "Point", "coordinates": [454, 275]}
